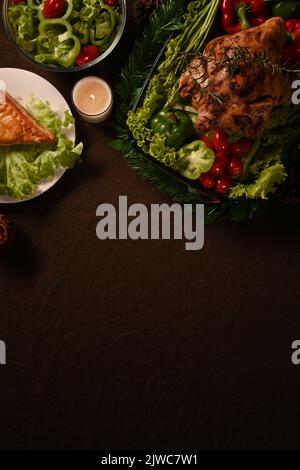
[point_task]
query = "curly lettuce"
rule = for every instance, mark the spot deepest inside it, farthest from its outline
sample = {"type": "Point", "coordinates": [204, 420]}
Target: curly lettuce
{"type": "Point", "coordinates": [267, 170]}
{"type": "Point", "coordinates": [265, 184]}
{"type": "Point", "coordinates": [23, 167]}
{"type": "Point", "coordinates": [264, 174]}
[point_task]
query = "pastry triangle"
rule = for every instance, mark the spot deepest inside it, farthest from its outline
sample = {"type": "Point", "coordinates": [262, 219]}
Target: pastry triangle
{"type": "Point", "coordinates": [17, 126]}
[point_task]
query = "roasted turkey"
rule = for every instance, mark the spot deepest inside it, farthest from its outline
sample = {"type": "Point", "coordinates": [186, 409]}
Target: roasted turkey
{"type": "Point", "coordinates": [237, 81]}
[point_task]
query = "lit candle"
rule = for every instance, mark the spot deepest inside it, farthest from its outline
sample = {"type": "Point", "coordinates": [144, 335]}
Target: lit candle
{"type": "Point", "coordinates": [93, 99]}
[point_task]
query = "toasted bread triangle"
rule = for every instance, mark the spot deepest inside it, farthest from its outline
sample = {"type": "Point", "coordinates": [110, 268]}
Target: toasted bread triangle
{"type": "Point", "coordinates": [17, 126]}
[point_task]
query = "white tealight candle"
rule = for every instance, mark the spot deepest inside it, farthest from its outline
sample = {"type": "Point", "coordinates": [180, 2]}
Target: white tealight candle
{"type": "Point", "coordinates": [93, 99]}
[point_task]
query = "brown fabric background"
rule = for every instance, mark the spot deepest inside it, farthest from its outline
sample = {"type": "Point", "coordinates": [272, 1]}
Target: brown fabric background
{"type": "Point", "coordinates": [124, 344]}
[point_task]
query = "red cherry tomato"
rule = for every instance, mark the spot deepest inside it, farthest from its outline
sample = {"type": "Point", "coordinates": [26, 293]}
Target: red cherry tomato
{"type": "Point", "coordinates": [54, 8]}
{"type": "Point", "coordinates": [111, 3]}
{"type": "Point", "coordinates": [235, 167]}
{"type": "Point", "coordinates": [207, 181]}
{"type": "Point", "coordinates": [241, 147]}
{"type": "Point", "coordinates": [207, 142]}
{"type": "Point", "coordinates": [220, 141]}
{"type": "Point", "coordinates": [223, 184]}
{"type": "Point", "coordinates": [222, 156]}
{"type": "Point", "coordinates": [218, 167]}
{"type": "Point", "coordinates": [87, 54]}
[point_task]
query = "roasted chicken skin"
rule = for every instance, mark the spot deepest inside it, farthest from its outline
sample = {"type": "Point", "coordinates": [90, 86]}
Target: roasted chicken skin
{"type": "Point", "coordinates": [233, 85]}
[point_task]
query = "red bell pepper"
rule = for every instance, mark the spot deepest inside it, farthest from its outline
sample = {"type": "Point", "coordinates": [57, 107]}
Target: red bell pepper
{"type": "Point", "coordinates": [291, 53]}
{"type": "Point", "coordinates": [238, 15]}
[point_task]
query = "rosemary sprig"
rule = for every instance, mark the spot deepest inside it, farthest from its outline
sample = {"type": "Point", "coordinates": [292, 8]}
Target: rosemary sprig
{"type": "Point", "coordinates": [239, 55]}
{"type": "Point", "coordinates": [231, 59]}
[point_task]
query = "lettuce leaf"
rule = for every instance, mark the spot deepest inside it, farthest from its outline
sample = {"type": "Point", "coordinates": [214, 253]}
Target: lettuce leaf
{"type": "Point", "coordinates": [24, 22]}
{"type": "Point", "coordinates": [22, 176]}
{"type": "Point", "coordinates": [263, 186]}
{"type": "Point", "coordinates": [22, 167]}
{"type": "Point", "coordinates": [263, 176]}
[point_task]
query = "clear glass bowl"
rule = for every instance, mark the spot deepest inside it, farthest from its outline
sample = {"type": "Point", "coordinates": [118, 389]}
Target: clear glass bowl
{"type": "Point", "coordinates": [56, 68]}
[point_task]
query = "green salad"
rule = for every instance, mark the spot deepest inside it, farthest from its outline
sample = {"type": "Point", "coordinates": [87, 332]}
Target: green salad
{"type": "Point", "coordinates": [226, 162]}
{"type": "Point", "coordinates": [22, 167]}
{"type": "Point", "coordinates": [64, 33]}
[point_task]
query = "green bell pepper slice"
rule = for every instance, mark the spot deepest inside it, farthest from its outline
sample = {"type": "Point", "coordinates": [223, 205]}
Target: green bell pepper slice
{"type": "Point", "coordinates": [55, 22]}
{"type": "Point", "coordinates": [57, 49]}
{"type": "Point", "coordinates": [40, 7]}
{"type": "Point", "coordinates": [82, 30]}
{"type": "Point", "coordinates": [287, 10]}
{"type": "Point", "coordinates": [195, 159]}
{"type": "Point", "coordinates": [176, 125]}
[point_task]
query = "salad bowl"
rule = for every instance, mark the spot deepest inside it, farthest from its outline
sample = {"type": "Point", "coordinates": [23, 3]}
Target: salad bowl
{"type": "Point", "coordinates": [74, 25]}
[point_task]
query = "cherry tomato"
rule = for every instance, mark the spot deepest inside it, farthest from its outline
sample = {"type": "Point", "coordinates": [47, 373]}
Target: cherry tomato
{"type": "Point", "coordinates": [222, 156]}
{"type": "Point", "coordinates": [218, 167]}
{"type": "Point", "coordinates": [54, 8]}
{"type": "Point", "coordinates": [111, 3]}
{"type": "Point", "coordinates": [235, 166]}
{"type": "Point", "coordinates": [207, 142]}
{"type": "Point", "coordinates": [220, 141]}
{"type": "Point", "coordinates": [87, 54]}
{"type": "Point", "coordinates": [207, 181]}
{"type": "Point", "coordinates": [223, 184]}
{"type": "Point", "coordinates": [241, 147]}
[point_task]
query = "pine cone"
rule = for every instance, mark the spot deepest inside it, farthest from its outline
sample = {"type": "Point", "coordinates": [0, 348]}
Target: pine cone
{"type": "Point", "coordinates": [143, 9]}
{"type": "Point", "coordinates": [289, 192]}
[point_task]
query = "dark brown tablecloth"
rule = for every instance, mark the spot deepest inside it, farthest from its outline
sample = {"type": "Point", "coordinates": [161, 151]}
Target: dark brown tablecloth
{"type": "Point", "coordinates": [134, 344]}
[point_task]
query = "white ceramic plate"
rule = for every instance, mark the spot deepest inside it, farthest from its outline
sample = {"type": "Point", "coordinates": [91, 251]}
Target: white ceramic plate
{"type": "Point", "coordinates": [21, 84]}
